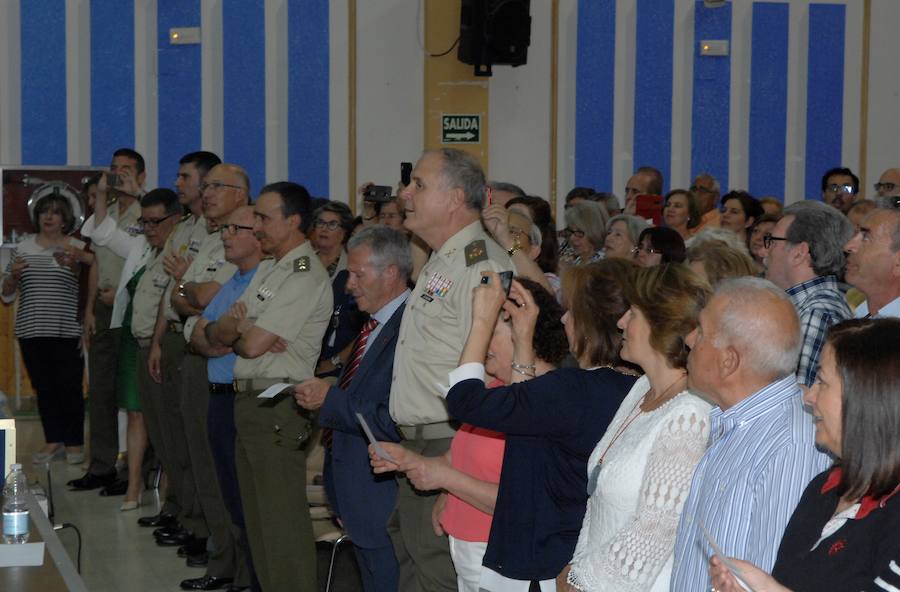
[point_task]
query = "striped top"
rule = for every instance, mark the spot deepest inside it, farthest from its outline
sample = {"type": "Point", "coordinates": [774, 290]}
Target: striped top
{"type": "Point", "coordinates": [48, 293]}
{"type": "Point", "coordinates": [760, 459]}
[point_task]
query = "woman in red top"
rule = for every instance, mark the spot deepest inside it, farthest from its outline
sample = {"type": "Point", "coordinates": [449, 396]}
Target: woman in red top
{"type": "Point", "coordinates": [470, 471]}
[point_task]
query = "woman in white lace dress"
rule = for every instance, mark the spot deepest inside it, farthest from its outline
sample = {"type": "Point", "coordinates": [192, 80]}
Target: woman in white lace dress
{"type": "Point", "coordinates": [640, 472]}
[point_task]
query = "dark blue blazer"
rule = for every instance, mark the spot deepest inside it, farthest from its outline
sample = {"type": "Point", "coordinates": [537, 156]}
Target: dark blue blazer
{"type": "Point", "coordinates": [552, 424]}
{"type": "Point", "coordinates": [360, 498]}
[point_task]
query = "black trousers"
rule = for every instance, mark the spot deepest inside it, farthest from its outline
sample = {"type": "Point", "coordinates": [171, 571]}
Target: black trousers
{"type": "Point", "coordinates": [56, 368]}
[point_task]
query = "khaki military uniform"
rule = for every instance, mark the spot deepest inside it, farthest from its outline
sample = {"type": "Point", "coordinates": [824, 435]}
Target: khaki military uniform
{"type": "Point", "coordinates": [103, 408]}
{"type": "Point", "coordinates": [225, 556]}
{"type": "Point", "coordinates": [433, 332]}
{"type": "Point", "coordinates": [291, 298]}
{"type": "Point", "coordinates": [145, 305]}
{"type": "Point", "coordinates": [181, 494]}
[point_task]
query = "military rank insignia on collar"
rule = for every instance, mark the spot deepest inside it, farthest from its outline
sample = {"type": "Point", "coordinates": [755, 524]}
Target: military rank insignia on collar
{"type": "Point", "coordinates": [476, 251]}
{"type": "Point", "coordinates": [301, 264]}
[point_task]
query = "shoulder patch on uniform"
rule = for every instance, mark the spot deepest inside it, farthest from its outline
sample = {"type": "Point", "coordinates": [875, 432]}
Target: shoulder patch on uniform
{"type": "Point", "coordinates": [301, 264]}
{"type": "Point", "coordinates": [476, 251]}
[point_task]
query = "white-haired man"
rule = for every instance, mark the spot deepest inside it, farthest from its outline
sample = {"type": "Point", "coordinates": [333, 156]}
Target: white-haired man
{"type": "Point", "coordinates": [762, 441]}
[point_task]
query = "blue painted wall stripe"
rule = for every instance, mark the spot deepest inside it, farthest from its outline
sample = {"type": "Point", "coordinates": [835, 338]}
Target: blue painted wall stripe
{"type": "Point", "coordinates": [595, 91]}
{"type": "Point", "coordinates": [768, 98]}
{"type": "Point", "coordinates": [653, 85]}
{"type": "Point", "coordinates": [44, 127]}
{"type": "Point", "coordinates": [243, 55]}
{"type": "Point", "coordinates": [824, 94]}
{"type": "Point", "coordinates": [178, 93]}
{"type": "Point", "coordinates": [112, 79]}
{"type": "Point", "coordinates": [308, 95]}
{"type": "Point", "coordinates": [712, 95]}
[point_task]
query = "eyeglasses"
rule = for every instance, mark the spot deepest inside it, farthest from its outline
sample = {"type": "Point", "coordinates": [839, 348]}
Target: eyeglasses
{"type": "Point", "coordinates": [835, 188]}
{"type": "Point", "coordinates": [568, 232]}
{"type": "Point", "coordinates": [699, 189]}
{"type": "Point", "coordinates": [645, 248]}
{"type": "Point", "coordinates": [217, 185]}
{"type": "Point", "coordinates": [332, 225]}
{"type": "Point", "coordinates": [153, 222]}
{"type": "Point", "coordinates": [768, 238]}
{"type": "Point", "coordinates": [233, 228]}
{"type": "Point", "coordinates": [885, 186]}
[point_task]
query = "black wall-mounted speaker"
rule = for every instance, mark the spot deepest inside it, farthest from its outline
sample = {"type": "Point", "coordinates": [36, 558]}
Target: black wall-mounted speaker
{"type": "Point", "coordinates": [494, 32]}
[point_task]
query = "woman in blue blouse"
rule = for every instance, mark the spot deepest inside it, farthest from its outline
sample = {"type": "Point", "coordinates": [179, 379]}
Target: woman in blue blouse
{"type": "Point", "coordinates": [552, 422]}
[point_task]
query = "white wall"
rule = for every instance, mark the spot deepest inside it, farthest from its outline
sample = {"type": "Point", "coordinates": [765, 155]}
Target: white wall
{"type": "Point", "coordinates": [883, 144]}
{"type": "Point", "coordinates": [390, 102]}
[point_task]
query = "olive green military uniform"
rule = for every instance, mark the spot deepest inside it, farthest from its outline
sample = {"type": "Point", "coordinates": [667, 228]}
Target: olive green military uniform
{"type": "Point", "coordinates": [291, 298]}
{"type": "Point", "coordinates": [433, 332]}
{"type": "Point", "coordinates": [181, 498]}
{"type": "Point", "coordinates": [225, 555]}
{"type": "Point", "coordinates": [145, 306]}
{"type": "Point", "coordinates": [103, 408]}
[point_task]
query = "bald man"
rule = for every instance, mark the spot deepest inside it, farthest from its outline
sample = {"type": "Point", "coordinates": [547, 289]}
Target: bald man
{"type": "Point", "coordinates": [888, 183]}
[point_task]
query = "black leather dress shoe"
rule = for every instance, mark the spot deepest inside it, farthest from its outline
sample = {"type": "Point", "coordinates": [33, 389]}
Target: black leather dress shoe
{"type": "Point", "coordinates": [176, 540]}
{"type": "Point", "coordinates": [117, 487]}
{"type": "Point", "coordinates": [91, 481]}
{"type": "Point", "coordinates": [205, 583]}
{"type": "Point", "coordinates": [193, 547]}
{"type": "Point", "coordinates": [199, 560]}
{"type": "Point", "coordinates": [157, 520]}
{"type": "Point", "coordinates": [168, 531]}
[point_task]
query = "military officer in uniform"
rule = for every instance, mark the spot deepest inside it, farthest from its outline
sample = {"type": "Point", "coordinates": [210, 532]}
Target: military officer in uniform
{"type": "Point", "coordinates": [443, 206]}
{"type": "Point", "coordinates": [224, 189]}
{"type": "Point", "coordinates": [145, 305]}
{"type": "Point", "coordinates": [276, 329]}
{"type": "Point", "coordinates": [167, 350]}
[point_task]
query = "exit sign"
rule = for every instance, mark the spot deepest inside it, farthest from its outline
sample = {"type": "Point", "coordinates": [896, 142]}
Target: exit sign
{"type": "Point", "coordinates": [460, 129]}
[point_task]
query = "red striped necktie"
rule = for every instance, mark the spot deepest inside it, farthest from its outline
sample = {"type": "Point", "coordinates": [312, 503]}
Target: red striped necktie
{"type": "Point", "coordinates": [356, 355]}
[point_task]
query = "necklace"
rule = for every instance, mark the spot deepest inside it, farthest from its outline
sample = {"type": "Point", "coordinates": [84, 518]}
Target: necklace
{"type": "Point", "coordinates": [662, 397]}
{"type": "Point", "coordinates": [625, 371]}
{"type": "Point", "coordinates": [630, 418]}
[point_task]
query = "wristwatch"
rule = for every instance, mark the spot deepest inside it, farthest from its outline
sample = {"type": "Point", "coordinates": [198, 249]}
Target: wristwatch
{"type": "Point", "coordinates": [336, 361]}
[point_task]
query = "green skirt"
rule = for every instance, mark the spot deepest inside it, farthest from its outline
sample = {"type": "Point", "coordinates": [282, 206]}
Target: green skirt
{"type": "Point", "coordinates": [127, 383]}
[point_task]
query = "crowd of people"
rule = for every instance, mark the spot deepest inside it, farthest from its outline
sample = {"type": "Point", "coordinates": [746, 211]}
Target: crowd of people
{"type": "Point", "coordinates": [705, 400]}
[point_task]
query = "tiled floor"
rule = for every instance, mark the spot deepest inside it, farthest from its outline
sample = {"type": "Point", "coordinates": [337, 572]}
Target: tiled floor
{"type": "Point", "coordinates": [117, 554]}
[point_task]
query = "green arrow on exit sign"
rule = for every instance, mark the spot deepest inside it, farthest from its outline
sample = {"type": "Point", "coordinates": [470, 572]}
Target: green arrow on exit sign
{"type": "Point", "coordinates": [460, 129]}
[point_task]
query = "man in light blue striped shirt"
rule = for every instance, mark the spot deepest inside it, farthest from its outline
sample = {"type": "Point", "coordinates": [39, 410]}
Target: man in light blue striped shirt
{"type": "Point", "coordinates": [762, 453]}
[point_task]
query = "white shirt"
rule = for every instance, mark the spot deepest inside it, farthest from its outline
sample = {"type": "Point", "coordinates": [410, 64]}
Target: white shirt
{"type": "Point", "coordinates": [889, 310]}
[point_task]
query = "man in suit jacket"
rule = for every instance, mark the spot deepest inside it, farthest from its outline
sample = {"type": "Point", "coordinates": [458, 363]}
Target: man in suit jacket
{"type": "Point", "coordinates": [379, 264]}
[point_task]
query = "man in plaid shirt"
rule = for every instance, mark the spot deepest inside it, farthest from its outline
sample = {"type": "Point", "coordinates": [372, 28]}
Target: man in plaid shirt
{"type": "Point", "coordinates": [805, 256]}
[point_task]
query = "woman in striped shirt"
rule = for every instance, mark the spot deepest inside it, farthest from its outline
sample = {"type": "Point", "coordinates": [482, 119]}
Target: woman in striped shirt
{"type": "Point", "coordinates": [43, 271]}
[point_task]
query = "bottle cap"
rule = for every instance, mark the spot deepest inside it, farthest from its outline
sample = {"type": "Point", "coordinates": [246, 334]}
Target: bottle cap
{"type": "Point", "coordinates": [16, 466]}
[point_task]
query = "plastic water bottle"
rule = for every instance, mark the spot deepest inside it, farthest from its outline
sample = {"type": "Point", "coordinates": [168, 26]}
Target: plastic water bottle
{"type": "Point", "coordinates": [15, 509]}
